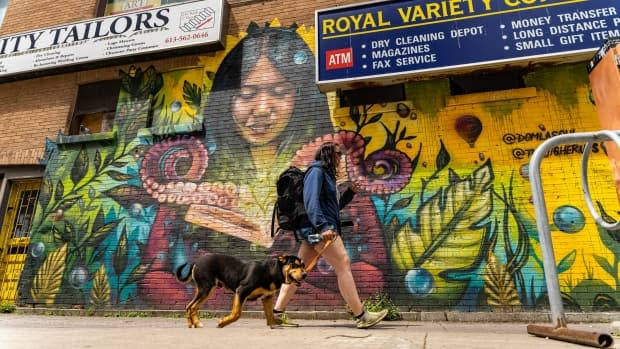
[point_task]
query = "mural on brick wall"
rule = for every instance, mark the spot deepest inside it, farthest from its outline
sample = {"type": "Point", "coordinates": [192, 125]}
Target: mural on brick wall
{"type": "Point", "coordinates": [444, 219]}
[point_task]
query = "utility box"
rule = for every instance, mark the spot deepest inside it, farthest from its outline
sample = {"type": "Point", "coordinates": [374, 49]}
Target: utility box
{"type": "Point", "coordinates": [604, 73]}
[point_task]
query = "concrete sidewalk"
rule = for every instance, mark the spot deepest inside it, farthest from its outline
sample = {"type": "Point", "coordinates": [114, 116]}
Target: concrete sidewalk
{"type": "Point", "coordinates": [25, 331]}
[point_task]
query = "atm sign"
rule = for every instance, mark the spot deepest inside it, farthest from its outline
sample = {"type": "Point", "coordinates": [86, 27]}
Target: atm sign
{"type": "Point", "coordinates": [339, 59]}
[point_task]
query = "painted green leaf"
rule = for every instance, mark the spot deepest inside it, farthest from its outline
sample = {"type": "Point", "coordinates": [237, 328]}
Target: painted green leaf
{"type": "Point", "coordinates": [602, 261]}
{"type": "Point", "coordinates": [47, 281]}
{"type": "Point", "coordinates": [120, 256]}
{"type": "Point", "coordinates": [80, 167]}
{"type": "Point", "coordinates": [567, 261]}
{"type": "Point", "coordinates": [46, 192]}
{"type": "Point", "coordinates": [192, 95]}
{"type": "Point", "coordinates": [121, 177]}
{"type": "Point", "coordinates": [97, 159]}
{"type": "Point", "coordinates": [101, 233]}
{"type": "Point", "coordinates": [60, 191]}
{"type": "Point", "coordinates": [443, 158]}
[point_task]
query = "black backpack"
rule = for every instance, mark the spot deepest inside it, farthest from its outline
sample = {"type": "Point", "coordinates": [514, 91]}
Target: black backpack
{"type": "Point", "coordinates": [289, 207]}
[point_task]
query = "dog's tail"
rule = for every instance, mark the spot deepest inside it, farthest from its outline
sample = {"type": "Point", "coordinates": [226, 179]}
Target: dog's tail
{"type": "Point", "coordinates": [184, 272]}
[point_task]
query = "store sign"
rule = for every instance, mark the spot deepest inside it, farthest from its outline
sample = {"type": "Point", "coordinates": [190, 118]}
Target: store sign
{"type": "Point", "coordinates": [109, 39]}
{"type": "Point", "coordinates": [398, 39]}
{"type": "Point", "coordinates": [123, 6]}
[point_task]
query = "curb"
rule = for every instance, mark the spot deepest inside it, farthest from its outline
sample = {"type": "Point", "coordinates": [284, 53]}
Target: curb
{"type": "Point", "coordinates": [448, 316]}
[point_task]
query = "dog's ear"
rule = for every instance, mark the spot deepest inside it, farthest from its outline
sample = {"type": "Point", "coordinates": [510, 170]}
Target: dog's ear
{"type": "Point", "coordinates": [282, 259]}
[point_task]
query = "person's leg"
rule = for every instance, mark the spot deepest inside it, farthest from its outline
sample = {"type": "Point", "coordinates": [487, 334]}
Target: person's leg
{"type": "Point", "coordinates": [306, 253]}
{"type": "Point", "coordinates": [336, 255]}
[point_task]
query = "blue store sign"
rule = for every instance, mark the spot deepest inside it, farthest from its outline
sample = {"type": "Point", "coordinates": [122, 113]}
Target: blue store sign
{"type": "Point", "coordinates": [394, 39]}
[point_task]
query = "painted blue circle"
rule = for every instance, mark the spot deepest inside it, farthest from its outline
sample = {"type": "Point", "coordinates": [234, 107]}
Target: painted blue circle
{"type": "Point", "coordinates": [136, 210]}
{"type": "Point", "coordinates": [175, 106]}
{"type": "Point", "coordinates": [37, 250]}
{"type": "Point", "coordinates": [419, 282]}
{"type": "Point", "coordinates": [300, 57]}
{"type": "Point", "coordinates": [569, 219]}
{"type": "Point", "coordinates": [78, 277]}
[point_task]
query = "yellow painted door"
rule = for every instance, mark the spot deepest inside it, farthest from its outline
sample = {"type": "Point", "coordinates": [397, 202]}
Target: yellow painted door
{"type": "Point", "coordinates": [15, 235]}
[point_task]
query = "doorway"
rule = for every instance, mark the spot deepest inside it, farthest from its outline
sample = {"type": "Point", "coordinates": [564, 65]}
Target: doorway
{"type": "Point", "coordinates": [15, 234]}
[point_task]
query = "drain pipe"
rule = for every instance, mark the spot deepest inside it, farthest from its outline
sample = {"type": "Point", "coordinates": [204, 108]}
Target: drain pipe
{"type": "Point", "coordinates": [559, 330]}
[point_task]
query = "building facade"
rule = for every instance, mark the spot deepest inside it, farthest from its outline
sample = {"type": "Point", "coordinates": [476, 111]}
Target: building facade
{"type": "Point", "coordinates": [117, 173]}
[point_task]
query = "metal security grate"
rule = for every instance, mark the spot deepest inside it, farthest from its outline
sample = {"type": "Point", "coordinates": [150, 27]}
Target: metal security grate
{"type": "Point", "coordinates": [25, 213]}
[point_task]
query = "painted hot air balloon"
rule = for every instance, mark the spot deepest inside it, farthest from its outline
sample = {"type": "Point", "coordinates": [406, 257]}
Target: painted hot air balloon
{"type": "Point", "coordinates": [469, 128]}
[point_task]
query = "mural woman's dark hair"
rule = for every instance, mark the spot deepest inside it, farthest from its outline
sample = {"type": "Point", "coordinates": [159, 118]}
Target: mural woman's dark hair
{"type": "Point", "coordinates": [310, 117]}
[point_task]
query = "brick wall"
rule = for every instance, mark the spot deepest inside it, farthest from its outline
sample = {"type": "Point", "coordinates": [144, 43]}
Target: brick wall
{"type": "Point", "coordinates": [445, 219]}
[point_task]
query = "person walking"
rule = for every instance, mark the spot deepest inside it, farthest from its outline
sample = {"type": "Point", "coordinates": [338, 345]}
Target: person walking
{"type": "Point", "coordinates": [323, 204]}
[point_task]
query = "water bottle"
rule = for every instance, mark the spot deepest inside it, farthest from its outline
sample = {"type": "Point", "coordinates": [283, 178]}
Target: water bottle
{"type": "Point", "coordinates": [314, 238]}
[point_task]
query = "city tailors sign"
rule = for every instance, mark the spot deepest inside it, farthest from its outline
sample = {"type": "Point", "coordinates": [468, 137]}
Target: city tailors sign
{"type": "Point", "coordinates": [391, 40]}
{"type": "Point", "coordinates": [193, 27]}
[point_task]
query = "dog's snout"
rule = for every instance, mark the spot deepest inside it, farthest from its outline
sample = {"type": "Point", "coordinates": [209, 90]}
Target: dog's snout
{"type": "Point", "coordinates": [304, 274]}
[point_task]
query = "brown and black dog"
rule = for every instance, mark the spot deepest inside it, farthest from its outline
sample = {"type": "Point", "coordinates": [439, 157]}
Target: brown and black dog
{"type": "Point", "coordinates": [248, 280]}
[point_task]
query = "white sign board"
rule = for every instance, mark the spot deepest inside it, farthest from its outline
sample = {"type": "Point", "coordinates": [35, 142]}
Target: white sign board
{"type": "Point", "coordinates": [105, 38]}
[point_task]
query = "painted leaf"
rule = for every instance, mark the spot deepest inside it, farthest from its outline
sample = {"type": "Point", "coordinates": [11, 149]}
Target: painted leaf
{"type": "Point", "coordinates": [602, 261]}
{"type": "Point", "coordinates": [192, 94]}
{"type": "Point", "coordinates": [101, 233]}
{"type": "Point", "coordinates": [97, 159]}
{"type": "Point", "coordinates": [567, 261]}
{"type": "Point", "coordinates": [100, 292]}
{"type": "Point", "coordinates": [80, 167]}
{"type": "Point", "coordinates": [46, 192]}
{"type": "Point", "coordinates": [499, 285]}
{"type": "Point", "coordinates": [443, 158]}
{"type": "Point", "coordinates": [47, 281]}
{"type": "Point", "coordinates": [60, 191]}
{"type": "Point", "coordinates": [451, 221]}
{"type": "Point", "coordinates": [138, 273]}
{"type": "Point", "coordinates": [119, 176]}
{"type": "Point", "coordinates": [407, 243]}
{"type": "Point", "coordinates": [120, 257]}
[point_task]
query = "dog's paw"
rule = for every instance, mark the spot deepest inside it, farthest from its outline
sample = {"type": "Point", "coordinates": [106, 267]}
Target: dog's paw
{"type": "Point", "coordinates": [199, 325]}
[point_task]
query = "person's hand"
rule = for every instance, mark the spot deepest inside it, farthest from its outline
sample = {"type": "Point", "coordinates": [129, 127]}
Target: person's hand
{"type": "Point", "coordinates": [328, 235]}
{"type": "Point", "coordinates": [355, 186]}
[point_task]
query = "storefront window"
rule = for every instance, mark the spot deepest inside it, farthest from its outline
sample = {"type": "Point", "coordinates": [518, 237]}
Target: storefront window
{"type": "Point", "coordinates": [95, 107]}
{"type": "Point", "coordinates": [3, 6]}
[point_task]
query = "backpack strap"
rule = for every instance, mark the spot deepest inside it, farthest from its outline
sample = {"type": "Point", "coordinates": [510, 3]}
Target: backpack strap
{"type": "Point", "coordinates": [273, 219]}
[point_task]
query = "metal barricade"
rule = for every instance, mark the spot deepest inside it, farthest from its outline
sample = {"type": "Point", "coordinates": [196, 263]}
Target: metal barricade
{"type": "Point", "coordinates": [559, 329]}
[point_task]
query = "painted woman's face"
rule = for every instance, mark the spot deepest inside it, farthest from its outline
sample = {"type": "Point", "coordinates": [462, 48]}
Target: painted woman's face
{"type": "Point", "coordinates": [263, 105]}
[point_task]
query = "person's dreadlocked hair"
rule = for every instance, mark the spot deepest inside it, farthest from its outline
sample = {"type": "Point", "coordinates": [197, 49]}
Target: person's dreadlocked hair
{"type": "Point", "coordinates": [327, 155]}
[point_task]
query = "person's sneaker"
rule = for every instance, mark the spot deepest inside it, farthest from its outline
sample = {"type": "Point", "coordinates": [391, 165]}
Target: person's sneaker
{"type": "Point", "coordinates": [369, 319]}
{"type": "Point", "coordinates": [283, 320]}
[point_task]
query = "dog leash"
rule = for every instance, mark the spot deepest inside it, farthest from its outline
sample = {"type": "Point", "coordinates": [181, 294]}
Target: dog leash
{"type": "Point", "coordinates": [314, 260]}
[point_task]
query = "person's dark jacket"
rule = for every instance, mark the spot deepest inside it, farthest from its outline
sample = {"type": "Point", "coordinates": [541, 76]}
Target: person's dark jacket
{"type": "Point", "coordinates": [321, 198]}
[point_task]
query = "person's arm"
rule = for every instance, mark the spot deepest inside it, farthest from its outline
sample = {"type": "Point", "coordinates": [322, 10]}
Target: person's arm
{"type": "Point", "coordinates": [313, 183]}
{"type": "Point", "coordinates": [348, 195]}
